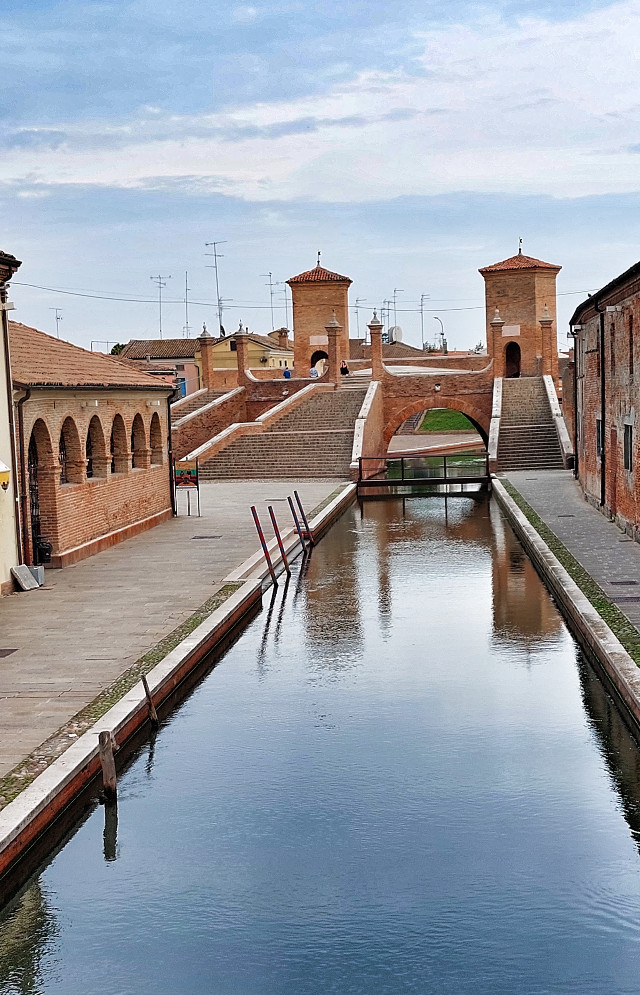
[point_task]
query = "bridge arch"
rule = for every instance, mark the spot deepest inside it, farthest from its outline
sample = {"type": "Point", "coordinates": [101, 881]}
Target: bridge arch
{"type": "Point", "coordinates": [478, 418]}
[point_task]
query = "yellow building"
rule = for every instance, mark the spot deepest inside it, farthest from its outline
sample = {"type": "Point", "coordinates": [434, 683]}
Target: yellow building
{"type": "Point", "coordinates": [218, 359]}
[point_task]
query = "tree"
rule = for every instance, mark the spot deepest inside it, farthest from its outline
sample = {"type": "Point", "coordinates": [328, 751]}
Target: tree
{"type": "Point", "coordinates": [117, 349]}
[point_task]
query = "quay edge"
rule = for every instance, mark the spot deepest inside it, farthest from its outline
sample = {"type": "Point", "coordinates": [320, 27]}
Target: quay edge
{"type": "Point", "coordinates": [621, 673]}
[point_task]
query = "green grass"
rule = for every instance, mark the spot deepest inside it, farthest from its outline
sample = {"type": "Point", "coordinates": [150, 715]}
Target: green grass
{"type": "Point", "coordinates": [619, 624]}
{"type": "Point", "coordinates": [445, 420]}
{"type": "Point", "coordinates": [17, 779]}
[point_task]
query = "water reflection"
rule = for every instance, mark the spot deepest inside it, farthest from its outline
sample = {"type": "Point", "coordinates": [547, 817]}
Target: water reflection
{"type": "Point", "coordinates": [359, 813]}
{"type": "Point", "coordinates": [618, 747]}
{"type": "Point", "coordinates": [523, 610]}
{"type": "Point", "coordinates": [27, 932]}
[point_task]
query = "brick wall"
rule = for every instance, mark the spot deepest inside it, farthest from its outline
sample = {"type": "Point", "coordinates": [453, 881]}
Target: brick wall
{"type": "Point", "coordinates": [83, 509]}
{"type": "Point", "coordinates": [196, 428]}
{"type": "Point", "coordinates": [618, 362]}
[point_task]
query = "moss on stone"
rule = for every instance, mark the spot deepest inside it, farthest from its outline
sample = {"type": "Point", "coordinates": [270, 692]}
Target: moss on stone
{"type": "Point", "coordinates": [17, 779]}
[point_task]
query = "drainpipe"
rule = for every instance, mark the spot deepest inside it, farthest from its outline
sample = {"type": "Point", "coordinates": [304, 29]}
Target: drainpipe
{"type": "Point", "coordinates": [575, 407]}
{"type": "Point", "coordinates": [4, 297]}
{"type": "Point", "coordinates": [23, 478]}
{"type": "Point", "coordinates": [175, 396]}
{"type": "Point", "coordinates": [603, 366]}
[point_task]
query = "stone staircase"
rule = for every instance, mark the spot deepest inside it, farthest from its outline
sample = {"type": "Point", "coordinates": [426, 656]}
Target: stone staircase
{"type": "Point", "coordinates": [528, 439]}
{"type": "Point", "coordinates": [190, 404]}
{"type": "Point", "coordinates": [313, 440]}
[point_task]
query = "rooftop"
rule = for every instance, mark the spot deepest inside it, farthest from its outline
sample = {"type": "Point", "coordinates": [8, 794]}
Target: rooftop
{"type": "Point", "coordinates": [39, 360]}
{"type": "Point", "coordinates": [161, 348]}
{"type": "Point", "coordinates": [319, 275]}
{"type": "Point", "coordinates": [519, 261]}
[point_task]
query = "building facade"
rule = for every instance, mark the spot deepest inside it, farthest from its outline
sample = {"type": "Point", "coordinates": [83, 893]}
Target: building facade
{"type": "Point", "coordinates": [602, 398]}
{"type": "Point", "coordinates": [315, 294]}
{"type": "Point", "coordinates": [93, 447]}
{"type": "Point", "coordinates": [520, 292]}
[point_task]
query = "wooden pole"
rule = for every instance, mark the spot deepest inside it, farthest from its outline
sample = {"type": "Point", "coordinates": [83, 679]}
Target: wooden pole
{"type": "Point", "coordinates": [109, 780]}
{"type": "Point", "coordinates": [276, 531]}
{"type": "Point", "coordinates": [153, 715]}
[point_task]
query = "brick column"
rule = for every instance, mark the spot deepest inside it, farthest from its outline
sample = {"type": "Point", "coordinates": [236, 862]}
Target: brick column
{"type": "Point", "coordinates": [549, 353]}
{"type": "Point", "coordinates": [333, 329]}
{"type": "Point", "coordinates": [122, 462]}
{"type": "Point", "coordinates": [206, 352]}
{"type": "Point", "coordinates": [375, 329]}
{"type": "Point", "coordinates": [242, 352]}
{"type": "Point", "coordinates": [143, 458]}
{"type": "Point", "coordinates": [498, 347]}
{"type": "Point", "coordinates": [101, 465]}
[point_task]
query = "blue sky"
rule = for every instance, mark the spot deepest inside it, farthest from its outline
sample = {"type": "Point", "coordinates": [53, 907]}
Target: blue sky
{"type": "Point", "coordinates": [411, 142]}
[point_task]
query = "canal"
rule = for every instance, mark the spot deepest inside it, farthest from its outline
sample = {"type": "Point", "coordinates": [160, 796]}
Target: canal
{"type": "Point", "coordinates": [403, 777]}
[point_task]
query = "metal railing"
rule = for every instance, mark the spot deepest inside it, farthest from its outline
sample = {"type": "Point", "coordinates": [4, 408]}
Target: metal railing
{"type": "Point", "coordinates": [422, 471]}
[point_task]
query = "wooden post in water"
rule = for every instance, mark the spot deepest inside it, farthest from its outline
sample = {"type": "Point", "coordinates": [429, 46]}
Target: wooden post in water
{"type": "Point", "coordinates": [109, 780]}
{"type": "Point", "coordinates": [297, 523]}
{"type": "Point", "coordinates": [264, 545]}
{"type": "Point", "coordinates": [153, 715]}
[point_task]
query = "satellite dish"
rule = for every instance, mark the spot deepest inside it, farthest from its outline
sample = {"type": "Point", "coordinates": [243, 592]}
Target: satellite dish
{"type": "Point", "coordinates": [395, 333]}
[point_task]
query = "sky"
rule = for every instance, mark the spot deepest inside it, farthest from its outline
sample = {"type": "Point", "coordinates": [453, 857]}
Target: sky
{"type": "Point", "coordinates": [411, 142]}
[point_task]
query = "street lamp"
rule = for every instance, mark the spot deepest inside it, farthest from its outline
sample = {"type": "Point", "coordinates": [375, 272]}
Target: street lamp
{"type": "Point", "coordinates": [444, 341]}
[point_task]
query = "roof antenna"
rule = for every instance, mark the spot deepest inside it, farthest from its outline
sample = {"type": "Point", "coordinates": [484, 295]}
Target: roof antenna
{"type": "Point", "coordinates": [319, 253]}
{"type": "Point", "coordinates": [519, 246]}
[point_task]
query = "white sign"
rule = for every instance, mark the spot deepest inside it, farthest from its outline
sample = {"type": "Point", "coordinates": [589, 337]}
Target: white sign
{"type": "Point", "coordinates": [510, 331]}
{"type": "Point", "coordinates": [318, 340]}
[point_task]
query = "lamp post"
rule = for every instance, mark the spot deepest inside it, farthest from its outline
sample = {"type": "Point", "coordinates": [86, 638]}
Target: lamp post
{"type": "Point", "coordinates": [439, 320]}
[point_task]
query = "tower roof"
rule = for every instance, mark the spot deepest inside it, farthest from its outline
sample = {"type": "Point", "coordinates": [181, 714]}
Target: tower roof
{"type": "Point", "coordinates": [319, 275]}
{"type": "Point", "coordinates": [519, 261]}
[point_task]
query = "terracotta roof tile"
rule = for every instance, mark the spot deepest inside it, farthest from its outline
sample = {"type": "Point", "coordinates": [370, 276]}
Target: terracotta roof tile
{"type": "Point", "coordinates": [161, 348]}
{"type": "Point", "coordinates": [38, 360]}
{"type": "Point", "coordinates": [519, 262]}
{"type": "Point", "coordinates": [319, 275]}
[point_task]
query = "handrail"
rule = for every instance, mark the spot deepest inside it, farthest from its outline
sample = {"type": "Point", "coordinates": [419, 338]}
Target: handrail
{"type": "Point", "coordinates": [448, 462]}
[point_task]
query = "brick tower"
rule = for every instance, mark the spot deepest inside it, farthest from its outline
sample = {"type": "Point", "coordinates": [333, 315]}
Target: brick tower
{"type": "Point", "coordinates": [315, 295]}
{"type": "Point", "coordinates": [520, 292]}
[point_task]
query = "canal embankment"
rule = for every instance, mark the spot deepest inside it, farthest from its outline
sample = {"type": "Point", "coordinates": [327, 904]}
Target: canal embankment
{"type": "Point", "coordinates": [47, 781]}
{"type": "Point", "coordinates": [588, 565]}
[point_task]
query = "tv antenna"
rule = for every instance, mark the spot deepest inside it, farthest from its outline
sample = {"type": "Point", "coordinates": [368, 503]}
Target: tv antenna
{"type": "Point", "coordinates": [270, 285]}
{"type": "Point", "coordinates": [216, 255]}
{"type": "Point", "coordinates": [58, 319]}
{"type": "Point", "coordinates": [160, 282]}
{"type": "Point", "coordinates": [187, 327]}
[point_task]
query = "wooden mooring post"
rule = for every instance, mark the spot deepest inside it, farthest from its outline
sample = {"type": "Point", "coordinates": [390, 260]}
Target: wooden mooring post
{"type": "Point", "coordinates": [153, 715]}
{"type": "Point", "coordinates": [109, 780]}
{"type": "Point", "coordinates": [309, 534]}
{"type": "Point", "coordinates": [264, 545]}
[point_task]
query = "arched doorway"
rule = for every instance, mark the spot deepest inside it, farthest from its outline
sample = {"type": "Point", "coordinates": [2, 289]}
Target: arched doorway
{"type": "Point", "coordinates": [512, 360]}
{"type": "Point", "coordinates": [319, 355]}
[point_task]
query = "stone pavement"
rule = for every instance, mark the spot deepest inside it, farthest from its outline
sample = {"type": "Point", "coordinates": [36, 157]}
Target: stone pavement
{"type": "Point", "coordinates": [600, 546]}
{"type": "Point", "coordinates": [61, 645]}
{"type": "Point", "coordinates": [433, 440]}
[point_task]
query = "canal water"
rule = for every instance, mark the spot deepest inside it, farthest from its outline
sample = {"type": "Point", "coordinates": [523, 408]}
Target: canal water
{"type": "Point", "coordinates": [402, 778]}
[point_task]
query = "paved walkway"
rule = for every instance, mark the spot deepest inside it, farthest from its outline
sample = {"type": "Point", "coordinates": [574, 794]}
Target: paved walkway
{"type": "Point", "coordinates": [61, 645]}
{"type": "Point", "coordinates": [610, 556]}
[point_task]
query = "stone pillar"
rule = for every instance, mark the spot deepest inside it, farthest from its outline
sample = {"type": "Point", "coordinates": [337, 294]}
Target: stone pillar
{"type": "Point", "coordinates": [242, 352]}
{"type": "Point", "coordinates": [333, 329]}
{"type": "Point", "coordinates": [549, 347]}
{"type": "Point", "coordinates": [375, 329]}
{"type": "Point", "coordinates": [206, 353]}
{"type": "Point", "coordinates": [498, 349]}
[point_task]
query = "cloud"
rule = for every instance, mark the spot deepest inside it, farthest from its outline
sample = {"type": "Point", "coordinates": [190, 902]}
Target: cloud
{"type": "Point", "coordinates": [532, 107]}
{"type": "Point", "coordinates": [245, 14]}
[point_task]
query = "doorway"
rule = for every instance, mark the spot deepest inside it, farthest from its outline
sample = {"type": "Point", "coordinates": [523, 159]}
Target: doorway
{"type": "Point", "coordinates": [512, 360]}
